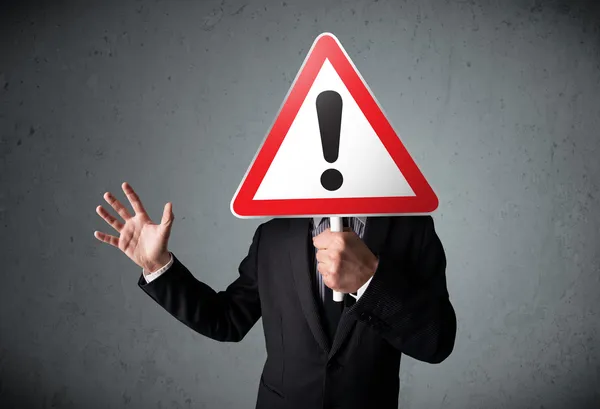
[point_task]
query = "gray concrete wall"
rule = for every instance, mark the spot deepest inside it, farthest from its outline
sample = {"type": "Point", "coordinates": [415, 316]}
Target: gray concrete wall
{"type": "Point", "coordinates": [498, 102]}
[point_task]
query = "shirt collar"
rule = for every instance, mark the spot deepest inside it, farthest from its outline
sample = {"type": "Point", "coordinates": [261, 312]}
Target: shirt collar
{"type": "Point", "coordinates": [317, 220]}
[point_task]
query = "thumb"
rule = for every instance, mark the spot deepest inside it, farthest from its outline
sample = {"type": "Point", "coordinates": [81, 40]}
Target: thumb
{"type": "Point", "coordinates": [168, 217]}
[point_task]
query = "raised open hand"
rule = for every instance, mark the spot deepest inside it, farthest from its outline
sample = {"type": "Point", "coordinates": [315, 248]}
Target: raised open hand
{"type": "Point", "coordinates": [140, 239]}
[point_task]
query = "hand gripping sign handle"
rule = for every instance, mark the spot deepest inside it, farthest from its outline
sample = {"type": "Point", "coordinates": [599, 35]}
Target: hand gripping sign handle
{"type": "Point", "coordinates": [335, 224]}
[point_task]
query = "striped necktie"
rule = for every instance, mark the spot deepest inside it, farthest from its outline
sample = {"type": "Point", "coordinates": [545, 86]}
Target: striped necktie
{"type": "Point", "coordinates": [333, 310]}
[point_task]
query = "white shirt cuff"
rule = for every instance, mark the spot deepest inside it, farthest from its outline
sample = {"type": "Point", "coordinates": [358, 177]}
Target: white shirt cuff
{"type": "Point", "coordinates": [361, 290]}
{"type": "Point", "coordinates": [153, 276]}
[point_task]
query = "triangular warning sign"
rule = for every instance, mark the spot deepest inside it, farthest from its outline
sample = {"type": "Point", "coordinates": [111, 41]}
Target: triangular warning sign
{"type": "Point", "coordinates": [331, 151]}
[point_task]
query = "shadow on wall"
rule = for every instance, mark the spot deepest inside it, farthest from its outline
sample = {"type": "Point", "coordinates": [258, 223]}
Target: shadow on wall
{"type": "Point", "coordinates": [37, 400]}
{"type": "Point", "coordinates": [19, 390]}
{"type": "Point", "coordinates": [24, 384]}
{"type": "Point", "coordinates": [583, 13]}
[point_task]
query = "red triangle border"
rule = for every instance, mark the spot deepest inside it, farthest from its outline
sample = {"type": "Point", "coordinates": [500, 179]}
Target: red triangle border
{"type": "Point", "coordinates": [326, 46]}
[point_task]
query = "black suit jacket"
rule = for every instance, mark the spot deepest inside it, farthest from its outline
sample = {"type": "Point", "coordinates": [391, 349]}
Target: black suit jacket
{"type": "Point", "coordinates": [405, 309]}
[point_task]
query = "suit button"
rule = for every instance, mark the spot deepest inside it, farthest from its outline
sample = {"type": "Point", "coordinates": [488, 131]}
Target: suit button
{"type": "Point", "coordinates": [366, 316]}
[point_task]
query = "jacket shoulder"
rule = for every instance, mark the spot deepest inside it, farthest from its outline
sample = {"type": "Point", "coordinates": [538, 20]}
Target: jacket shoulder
{"type": "Point", "coordinates": [413, 222]}
{"type": "Point", "coordinates": [274, 223]}
{"type": "Point", "coordinates": [273, 227]}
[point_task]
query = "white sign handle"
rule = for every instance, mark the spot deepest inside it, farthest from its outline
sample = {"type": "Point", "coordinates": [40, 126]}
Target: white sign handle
{"type": "Point", "coordinates": [336, 225]}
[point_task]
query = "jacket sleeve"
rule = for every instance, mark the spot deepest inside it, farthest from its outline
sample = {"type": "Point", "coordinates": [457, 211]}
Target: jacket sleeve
{"type": "Point", "coordinates": [225, 315]}
{"type": "Point", "coordinates": [407, 302]}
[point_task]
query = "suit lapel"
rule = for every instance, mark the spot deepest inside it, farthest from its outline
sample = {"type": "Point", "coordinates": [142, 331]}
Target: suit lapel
{"type": "Point", "coordinates": [375, 235]}
{"type": "Point", "coordinates": [298, 238]}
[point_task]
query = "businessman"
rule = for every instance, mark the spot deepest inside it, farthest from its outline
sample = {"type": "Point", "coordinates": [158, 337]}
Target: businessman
{"type": "Point", "coordinates": [320, 353]}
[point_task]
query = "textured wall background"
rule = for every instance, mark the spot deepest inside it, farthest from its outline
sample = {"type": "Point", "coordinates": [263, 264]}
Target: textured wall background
{"type": "Point", "coordinates": [498, 102]}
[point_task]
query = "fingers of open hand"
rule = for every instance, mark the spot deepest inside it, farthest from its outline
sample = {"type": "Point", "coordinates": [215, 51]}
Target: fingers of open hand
{"type": "Point", "coordinates": [117, 205]}
{"type": "Point", "coordinates": [109, 218]}
{"type": "Point", "coordinates": [167, 214]}
{"type": "Point", "coordinates": [133, 198]}
{"type": "Point", "coordinates": [121, 211]}
{"type": "Point", "coordinates": [107, 238]}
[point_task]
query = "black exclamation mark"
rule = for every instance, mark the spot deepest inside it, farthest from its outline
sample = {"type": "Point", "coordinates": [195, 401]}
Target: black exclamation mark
{"type": "Point", "coordinates": [329, 112]}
